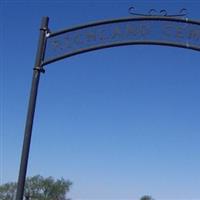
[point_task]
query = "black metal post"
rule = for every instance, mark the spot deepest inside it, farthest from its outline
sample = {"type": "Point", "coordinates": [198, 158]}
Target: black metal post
{"type": "Point", "coordinates": [31, 108]}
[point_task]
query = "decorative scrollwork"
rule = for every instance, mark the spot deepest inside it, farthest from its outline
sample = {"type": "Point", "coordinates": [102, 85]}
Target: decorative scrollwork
{"type": "Point", "coordinates": [153, 12]}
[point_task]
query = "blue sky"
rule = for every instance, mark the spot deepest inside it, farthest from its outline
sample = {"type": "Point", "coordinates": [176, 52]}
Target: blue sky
{"type": "Point", "coordinates": [119, 123]}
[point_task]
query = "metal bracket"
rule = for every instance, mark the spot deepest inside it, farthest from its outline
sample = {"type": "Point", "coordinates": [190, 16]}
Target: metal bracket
{"type": "Point", "coordinates": [42, 70]}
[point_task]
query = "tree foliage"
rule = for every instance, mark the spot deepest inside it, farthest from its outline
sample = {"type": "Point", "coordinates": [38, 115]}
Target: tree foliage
{"type": "Point", "coordinates": [7, 191]}
{"type": "Point", "coordinates": [146, 197]}
{"type": "Point", "coordinates": [38, 188]}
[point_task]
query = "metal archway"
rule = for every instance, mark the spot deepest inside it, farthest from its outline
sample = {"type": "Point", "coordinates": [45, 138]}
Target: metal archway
{"type": "Point", "coordinates": [161, 29]}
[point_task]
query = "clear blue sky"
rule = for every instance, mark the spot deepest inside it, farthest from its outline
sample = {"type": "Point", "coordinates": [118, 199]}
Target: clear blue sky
{"type": "Point", "coordinates": [119, 123]}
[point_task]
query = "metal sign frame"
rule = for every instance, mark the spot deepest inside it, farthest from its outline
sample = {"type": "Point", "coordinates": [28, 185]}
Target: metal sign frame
{"type": "Point", "coordinates": [40, 62]}
{"type": "Point", "coordinates": [183, 23]}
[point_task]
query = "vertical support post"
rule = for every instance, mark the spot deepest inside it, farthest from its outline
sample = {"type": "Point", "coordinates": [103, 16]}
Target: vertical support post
{"type": "Point", "coordinates": [38, 68]}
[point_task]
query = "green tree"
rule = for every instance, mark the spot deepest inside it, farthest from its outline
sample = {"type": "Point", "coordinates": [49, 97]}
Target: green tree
{"type": "Point", "coordinates": [7, 191]}
{"type": "Point", "coordinates": [146, 197]}
{"type": "Point", "coordinates": [38, 188]}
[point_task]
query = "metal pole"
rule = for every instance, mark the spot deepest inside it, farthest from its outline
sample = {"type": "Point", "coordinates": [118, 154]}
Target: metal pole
{"type": "Point", "coordinates": [31, 108]}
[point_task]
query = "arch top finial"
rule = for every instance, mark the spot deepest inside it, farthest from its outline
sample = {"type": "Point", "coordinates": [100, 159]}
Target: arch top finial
{"type": "Point", "coordinates": [153, 12]}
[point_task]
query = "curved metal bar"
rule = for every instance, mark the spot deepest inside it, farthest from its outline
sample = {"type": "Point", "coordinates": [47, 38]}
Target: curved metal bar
{"type": "Point", "coordinates": [143, 18]}
{"type": "Point", "coordinates": [161, 43]}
